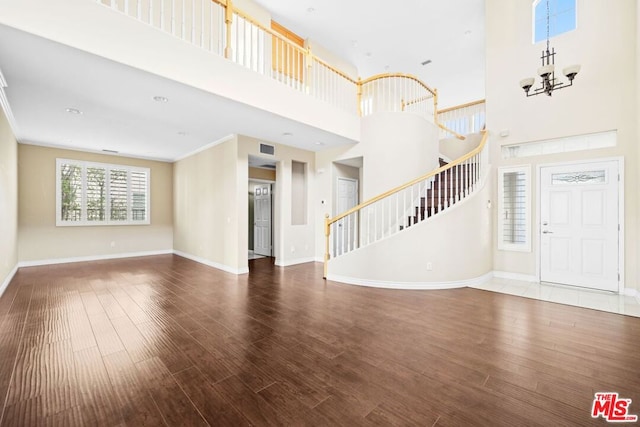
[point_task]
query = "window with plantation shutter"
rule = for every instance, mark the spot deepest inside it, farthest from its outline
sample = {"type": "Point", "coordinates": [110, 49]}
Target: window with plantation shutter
{"type": "Point", "coordinates": [514, 210]}
{"type": "Point", "coordinates": [101, 194]}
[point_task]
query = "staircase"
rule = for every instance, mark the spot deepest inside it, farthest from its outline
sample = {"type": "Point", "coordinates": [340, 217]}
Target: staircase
{"type": "Point", "coordinates": [445, 190]}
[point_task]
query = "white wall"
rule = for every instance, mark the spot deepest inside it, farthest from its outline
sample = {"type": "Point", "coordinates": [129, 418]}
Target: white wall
{"type": "Point", "coordinates": [453, 148]}
{"type": "Point", "coordinates": [603, 97]}
{"type": "Point", "coordinates": [8, 202]}
{"type": "Point", "coordinates": [397, 147]}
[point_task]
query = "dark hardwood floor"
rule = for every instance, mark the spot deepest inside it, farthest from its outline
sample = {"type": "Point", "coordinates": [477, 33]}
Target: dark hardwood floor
{"type": "Point", "coordinates": [166, 341]}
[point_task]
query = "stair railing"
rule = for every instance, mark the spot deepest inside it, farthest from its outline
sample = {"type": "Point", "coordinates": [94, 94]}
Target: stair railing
{"type": "Point", "coordinates": [406, 205]}
{"type": "Point", "coordinates": [462, 119]}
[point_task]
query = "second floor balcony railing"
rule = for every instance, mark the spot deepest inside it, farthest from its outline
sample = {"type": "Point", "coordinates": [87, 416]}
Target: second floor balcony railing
{"type": "Point", "coordinates": [219, 27]}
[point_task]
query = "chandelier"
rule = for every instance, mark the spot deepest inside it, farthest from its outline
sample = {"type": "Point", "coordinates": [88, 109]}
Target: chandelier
{"type": "Point", "coordinates": [549, 82]}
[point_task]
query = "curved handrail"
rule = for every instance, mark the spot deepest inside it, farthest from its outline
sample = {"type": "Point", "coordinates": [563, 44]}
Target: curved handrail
{"type": "Point", "coordinates": [424, 177]}
{"type": "Point", "coordinates": [403, 75]}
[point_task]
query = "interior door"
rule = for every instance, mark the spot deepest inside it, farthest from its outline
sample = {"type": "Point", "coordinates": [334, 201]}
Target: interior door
{"type": "Point", "coordinates": [262, 220]}
{"type": "Point", "coordinates": [579, 225]}
{"type": "Point", "coordinates": [346, 237]}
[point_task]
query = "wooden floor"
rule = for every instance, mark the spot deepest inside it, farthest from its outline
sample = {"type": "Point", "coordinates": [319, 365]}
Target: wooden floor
{"type": "Point", "coordinates": [166, 341]}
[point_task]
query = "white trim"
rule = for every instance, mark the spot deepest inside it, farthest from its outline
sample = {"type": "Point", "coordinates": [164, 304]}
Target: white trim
{"type": "Point", "coordinates": [515, 276]}
{"type": "Point", "coordinates": [9, 277]}
{"type": "Point", "coordinates": [410, 285]}
{"type": "Point", "coordinates": [108, 168]}
{"type": "Point", "coordinates": [92, 258]}
{"type": "Point", "coordinates": [631, 293]}
{"type": "Point", "coordinates": [95, 151]}
{"type": "Point", "coordinates": [205, 147]}
{"type": "Point", "coordinates": [213, 264]}
{"type": "Point", "coordinates": [296, 261]}
{"type": "Point", "coordinates": [621, 232]}
{"type": "Point", "coordinates": [4, 104]}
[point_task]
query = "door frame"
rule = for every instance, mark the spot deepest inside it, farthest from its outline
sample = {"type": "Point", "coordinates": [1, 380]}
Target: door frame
{"type": "Point", "coordinates": [538, 227]}
{"type": "Point", "coordinates": [272, 186]}
{"type": "Point", "coordinates": [344, 178]}
{"type": "Point", "coordinates": [335, 206]}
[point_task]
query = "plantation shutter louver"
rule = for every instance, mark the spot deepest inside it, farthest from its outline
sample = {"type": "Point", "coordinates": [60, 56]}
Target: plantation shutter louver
{"type": "Point", "coordinates": [96, 194]}
{"type": "Point", "coordinates": [71, 192]}
{"type": "Point", "coordinates": [514, 221]}
{"type": "Point", "coordinates": [118, 194]}
{"type": "Point", "coordinates": [138, 195]}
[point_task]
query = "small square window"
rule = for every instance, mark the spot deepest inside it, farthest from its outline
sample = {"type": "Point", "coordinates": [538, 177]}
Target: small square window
{"type": "Point", "coordinates": [562, 18]}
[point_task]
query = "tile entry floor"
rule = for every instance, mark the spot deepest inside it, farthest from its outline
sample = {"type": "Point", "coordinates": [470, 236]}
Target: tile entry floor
{"type": "Point", "coordinates": [579, 297]}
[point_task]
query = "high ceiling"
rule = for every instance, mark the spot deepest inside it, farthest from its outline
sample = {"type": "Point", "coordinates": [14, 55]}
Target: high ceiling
{"type": "Point", "coordinates": [397, 36]}
{"type": "Point", "coordinates": [118, 112]}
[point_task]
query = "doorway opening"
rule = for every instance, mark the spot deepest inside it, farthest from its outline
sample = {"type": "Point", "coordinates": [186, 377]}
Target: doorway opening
{"type": "Point", "coordinates": [262, 178]}
{"type": "Point", "coordinates": [346, 192]}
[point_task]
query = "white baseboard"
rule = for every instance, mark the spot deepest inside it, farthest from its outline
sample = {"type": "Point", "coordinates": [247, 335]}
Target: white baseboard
{"type": "Point", "coordinates": [515, 276]}
{"type": "Point", "coordinates": [632, 293]}
{"type": "Point", "coordinates": [296, 261]}
{"type": "Point", "coordinates": [213, 264]}
{"type": "Point", "coordinates": [92, 258]}
{"type": "Point", "coordinates": [8, 279]}
{"type": "Point", "coordinates": [410, 285]}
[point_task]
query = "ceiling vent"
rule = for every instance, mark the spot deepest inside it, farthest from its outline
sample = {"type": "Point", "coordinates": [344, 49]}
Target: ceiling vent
{"type": "Point", "coordinates": [267, 149]}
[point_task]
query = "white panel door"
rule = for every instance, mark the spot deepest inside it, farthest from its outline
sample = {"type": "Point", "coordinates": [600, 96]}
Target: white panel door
{"type": "Point", "coordinates": [262, 220]}
{"type": "Point", "coordinates": [346, 237]}
{"type": "Point", "coordinates": [579, 225]}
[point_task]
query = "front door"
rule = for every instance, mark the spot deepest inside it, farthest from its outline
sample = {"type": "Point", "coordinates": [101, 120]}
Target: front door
{"type": "Point", "coordinates": [579, 225]}
{"type": "Point", "coordinates": [262, 220]}
{"type": "Point", "coordinates": [346, 238]}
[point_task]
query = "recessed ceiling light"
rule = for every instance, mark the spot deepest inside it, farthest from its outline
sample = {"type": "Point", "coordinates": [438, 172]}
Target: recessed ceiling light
{"type": "Point", "coordinates": [287, 134]}
{"type": "Point", "coordinates": [428, 61]}
{"type": "Point", "coordinates": [368, 54]}
{"type": "Point", "coordinates": [73, 111]}
{"type": "Point", "coordinates": [160, 99]}
{"type": "Point", "coordinates": [311, 10]}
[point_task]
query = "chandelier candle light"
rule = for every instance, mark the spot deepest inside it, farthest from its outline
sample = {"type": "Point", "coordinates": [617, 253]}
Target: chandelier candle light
{"type": "Point", "coordinates": [547, 72]}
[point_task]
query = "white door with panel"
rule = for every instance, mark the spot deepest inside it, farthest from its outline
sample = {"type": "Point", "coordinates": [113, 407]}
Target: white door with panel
{"type": "Point", "coordinates": [347, 228]}
{"type": "Point", "coordinates": [579, 225]}
{"type": "Point", "coordinates": [262, 220]}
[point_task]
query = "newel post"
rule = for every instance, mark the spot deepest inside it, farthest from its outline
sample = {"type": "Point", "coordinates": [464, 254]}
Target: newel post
{"type": "Point", "coordinates": [359, 92]}
{"type": "Point", "coordinates": [228, 20]}
{"type": "Point", "coordinates": [327, 231]}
